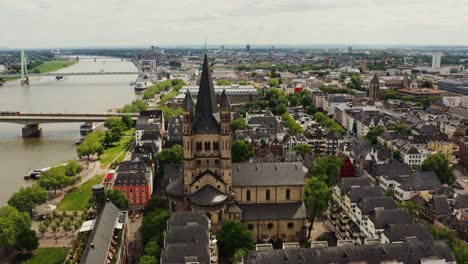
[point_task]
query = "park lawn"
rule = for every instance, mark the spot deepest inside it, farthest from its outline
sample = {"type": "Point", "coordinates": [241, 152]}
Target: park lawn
{"type": "Point", "coordinates": [79, 198]}
{"type": "Point", "coordinates": [50, 66]}
{"type": "Point", "coordinates": [43, 255]}
{"type": "Point", "coordinates": [112, 152]}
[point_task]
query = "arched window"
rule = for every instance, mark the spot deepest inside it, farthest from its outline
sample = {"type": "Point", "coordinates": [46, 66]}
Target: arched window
{"type": "Point", "coordinates": [267, 195]}
{"type": "Point", "coordinates": [288, 194]}
{"type": "Point", "coordinates": [248, 195]}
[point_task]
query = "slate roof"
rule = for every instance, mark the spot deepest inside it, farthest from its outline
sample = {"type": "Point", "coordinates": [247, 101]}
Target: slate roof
{"type": "Point", "coordinates": [368, 204]}
{"type": "Point", "coordinates": [187, 234]}
{"type": "Point", "coordinates": [130, 179]}
{"type": "Point", "coordinates": [155, 114]}
{"type": "Point", "coordinates": [273, 211]}
{"type": "Point", "coordinates": [373, 254]}
{"type": "Point", "coordinates": [399, 232]}
{"type": "Point", "coordinates": [188, 102]}
{"type": "Point", "coordinates": [132, 166]}
{"type": "Point", "coordinates": [186, 253]}
{"type": "Point", "coordinates": [208, 195]}
{"type": "Point", "coordinates": [384, 217]}
{"type": "Point", "coordinates": [176, 188]}
{"type": "Point", "coordinates": [269, 121]}
{"type": "Point", "coordinates": [421, 180]}
{"type": "Point", "coordinates": [461, 201]}
{"type": "Point", "coordinates": [439, 204]}
{"type": "Point", "coordinates": [101, 236]}
{"type": "Point", "coordinates": [375, 79]}
{"type": "Point", "coordinates": [357, 193]}
{"type": "Point", "coordinates": [268, 174]}
{"type": "Point", "coordinates": [143, 124]}
{"type": "Point", "coordinates": [188, 218]}
{"type": "Point", "coordinates": [392, 170]}
{"type": "Point", "coordinates": [175, 129]}
{"type": "Point", "coordinates": [206, 119]}
{"type": "Point", "coordinates": [150, 135]}
{"type": "Point", "coordinates": [346, 183]}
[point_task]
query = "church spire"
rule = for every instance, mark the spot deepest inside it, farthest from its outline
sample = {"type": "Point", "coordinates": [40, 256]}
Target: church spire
{"type": "Point", "coordinates": [206, 100]}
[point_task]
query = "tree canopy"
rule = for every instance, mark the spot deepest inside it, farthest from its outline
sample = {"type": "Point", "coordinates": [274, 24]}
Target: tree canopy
{"type": "Point", "coordinates": [153, 226]}
{"type": "Point", "coordinates": [118, 198]}
{"type": "Point", "coordinates": [234, 236]}
{"type": "Point", "coordinates": [91, 145]}
{"type": "Point", "coordinates": [316, 197]}
{"type": "Point", "coordinates": [293, 127]}
{"type": "Point", "coordinates": [15, 230]}
{"type": "Point", "coordinates": [54, 178]}
{"type": "Point", "coordinates": [27, 198]}
{"type": "Point", "coordinates": [73, 168]}
{"type": "Point", "coordinates": [327, 122]}
{"type": "Point", "coordinates": [302, 149]}
{"type": "Point", "coordinates": [374, 133]}
{"type": "Point", "coordinates": [440, 165]}
{"type": "Point", "coordinates": [241, 151]}
{"type": "Point", "coordinates": [239, 124]}
{"type": "Point", "coordinates": [327, 168]}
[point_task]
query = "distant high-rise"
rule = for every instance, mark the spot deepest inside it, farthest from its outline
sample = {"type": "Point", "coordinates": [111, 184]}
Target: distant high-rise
{"type": "Point", "coordinates": [221, 48]}
{"type": "Point", "coordinates": [436, 60]}
{"type": "Point", "coordinates": [247, 48]}
{"type": "Point", "coordinates": [350, 49]}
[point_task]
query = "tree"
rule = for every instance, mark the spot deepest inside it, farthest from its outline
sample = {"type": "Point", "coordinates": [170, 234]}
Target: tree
{"type": "Point", "coordinates": [173, 155]}
{"type": "Point", "coordinates": [27, 240]}
{"type": "Point", "coordinates": [426, 84]}
{"type": "Point", "coordinates": [234, 236]}
{"type": "Point", "coordinates": [439, 164]}
{"type": "Point", "coordinates": [91, 145]}
{"type": "Point", "coordinates": [241, 151]}
{"type": "Point", "coordinates": [42, 228]}
{"type": "Point", "coordinates": [293, 127]}
{"type": "Point", "coordinates": [238, 256]}
{"type": "Point", "coordinates": [399, 128]}
{"type": "Point", "coordinates": [27, 198]}
{"type": "Point", "coordinates": [327, 167]}
{"type": "Point", "coordinates": [273, 83]}
{"type": "Point", "coordinates": [316, 197]}
{"type": "Point", "coordinates": [397, 155]}
{"type": "Point", "coordinates": [73, 168]}
{"type": "Point", "coordinates": [388, 94]}
{"type": "Point", "coordinates": [54, 178]}
{"type": "Point", "coordinates": [145, 259]}
{"type": "Point", "coordinates": [151, 252]}
{"type": "Point", "coordinates": [356, 82]}
{"type": "Point", "coordinates": [127, 120]}
{"type": "Point", "coordinates": [118, 198]}
{"type": "Point", "coordinates": [115, 122]}
{"type": "Point", "coordinates": [302, 149]}
{"type": "Point", "coordinates": [153, 226]}
{"type": "Point", "coordinates": [54, 228]}
{"type": "Point", "coordinates": [374, 133]}
{"type": "Point", "coordinates": [239, 123]}
{"type": "Point", "coordinates": [13, 225]}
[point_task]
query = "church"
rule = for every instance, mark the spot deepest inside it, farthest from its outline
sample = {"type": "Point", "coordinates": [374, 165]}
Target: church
{"type": "Point", "coordinates": [266, 197]}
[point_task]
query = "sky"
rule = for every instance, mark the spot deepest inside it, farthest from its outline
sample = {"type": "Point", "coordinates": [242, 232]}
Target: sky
{"type": "Point", "coordinates": [85, 23]}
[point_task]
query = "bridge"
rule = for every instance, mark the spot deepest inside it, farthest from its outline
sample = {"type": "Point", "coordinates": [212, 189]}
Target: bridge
{"type": "Point", "coordinates": [18, 75]}
{"type": "Point", "coordinates": [31, 121]}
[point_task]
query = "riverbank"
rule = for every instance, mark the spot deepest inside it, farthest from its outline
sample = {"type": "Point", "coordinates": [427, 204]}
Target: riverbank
{"type": "Point", "coordinates": [48, 66]}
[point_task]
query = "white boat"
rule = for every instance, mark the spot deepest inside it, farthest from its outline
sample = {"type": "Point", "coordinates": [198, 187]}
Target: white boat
{"type": "Point", "coordinates": [87, 127]}
{"type": "Point", "coordinates": [142, 85]}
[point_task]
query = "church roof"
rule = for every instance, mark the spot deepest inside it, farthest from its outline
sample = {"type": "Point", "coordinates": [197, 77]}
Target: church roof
{"type": "Point", "coordinates": [206, 120]}
{"type": "Point", "coordinates": [268, 174]}
{"type": "Point", "coordinates": [208, 195]}
{"type": "Point", "coordinates": [188, 102]}
{"type": "Point", "coordinates": [224, 101]}
{"type": "Point", "coordinates": [375, 79]}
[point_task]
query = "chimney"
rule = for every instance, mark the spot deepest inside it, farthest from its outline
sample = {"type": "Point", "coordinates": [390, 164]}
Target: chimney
{"type": "Point", "coordinates": [99, 197]}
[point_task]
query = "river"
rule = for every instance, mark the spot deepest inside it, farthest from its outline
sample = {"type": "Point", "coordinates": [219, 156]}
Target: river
{"type": "Point", "coordinates": [75, 94]}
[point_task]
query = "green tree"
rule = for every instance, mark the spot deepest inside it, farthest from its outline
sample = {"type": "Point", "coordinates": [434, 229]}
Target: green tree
{"type": "Point", "coordinates": [27, 240]}
{"type": "Point", "coordinates": [238, 255]}
{"type": "Point", "coordinates": [118, 198]}
{"type": "Point", "coordinates": [73, 168]}
{"type": "Point", "coordinates": [374, 133]}
{"type": "Point", "coordinates": [239, 124]}
{"type": "Point", "coordinates": [293, 127]}
{"type": "Point", "coordinates": [397, 155]}
{"type": "Point", "coordinates": [241, 151]}
{"type": "Point", "coordinates": [280, 109]}
{"type": "Point", "coordinates": [152, 251]}
{"type": "Point", "coordinates": [399, 128]}
{"type": "Point", "coordinates": [27, 198]}
{"type": "Point", "coordinates": [273, 83]}
{"type": "Point", "coordinates": [316, 197]}
{"type": "Point", "coordinates": [153, 226]}
{"type": "Point", "coordinates": [42, 228]}
{"type": "Point", "coordinates": [127, 120]}
{"type": "Point", "coordinates": [327, 167]}
{"type": "Point", "coordinates": [173, 155]}
{"type": "Point", "coordinates": [234, 236]}
{"type": "Point", "coordinates": [54, 178]}
{"type": "Point", "coordinates": [356, 82]}
{"type": "Point", "coordinates": [302, 149]}
{"type": "Point", "coordinates": [13, 225]}
{"type": "Point", "coordinates": [135, 106]}
{"type": "Point", "coordinates": [91, 145]}
{"type": "Point", "coordinates": [426, 84]}
{"type": "Point", "coordinates": [115, 122]}
{"type": "Point", "coordinates": [439, 164]}
{"type": "Point", "coordinates": [145, 259]}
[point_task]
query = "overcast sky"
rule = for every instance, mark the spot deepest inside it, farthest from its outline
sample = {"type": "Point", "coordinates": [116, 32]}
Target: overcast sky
{"type": "Point", "coordinates": [81, 23]}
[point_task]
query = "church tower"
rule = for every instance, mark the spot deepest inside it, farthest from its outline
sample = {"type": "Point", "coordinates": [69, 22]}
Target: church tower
{"type": "Point", "coordinates": [207, 176]}
{"type": "Point", "coordinates": [374, 87]}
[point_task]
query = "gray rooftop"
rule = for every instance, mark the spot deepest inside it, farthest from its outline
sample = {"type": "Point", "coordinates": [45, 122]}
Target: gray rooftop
{"type": "Point", "coordinates": [273, 211]}
{"type": "Point", "coordinates": [268, 174]}
{"type": "Point", "coordinates": [384, 217]}
{"type": "Point", "coordinates": [357, 193]}
{"type": "Point", "coordinates": [399, 232]}
{"type": "Point", "coordinates": [368, 204]}
{"type": "Point", "coordinates": [346, 183]}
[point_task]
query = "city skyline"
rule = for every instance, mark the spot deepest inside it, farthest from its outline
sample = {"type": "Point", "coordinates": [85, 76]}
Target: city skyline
{"type": "Point", "coordinates": [317, 22]}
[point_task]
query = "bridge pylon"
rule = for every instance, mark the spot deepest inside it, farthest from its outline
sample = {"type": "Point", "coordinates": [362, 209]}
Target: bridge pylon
{"type": "Point", "coordinates": [24, 70]}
